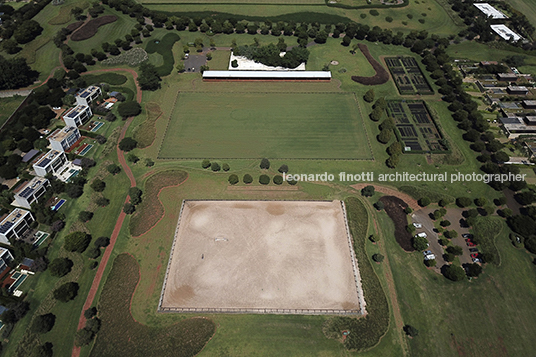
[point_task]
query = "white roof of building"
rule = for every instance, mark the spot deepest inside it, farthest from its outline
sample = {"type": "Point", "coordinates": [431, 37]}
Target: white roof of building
{"type": "Point", "coordinates": [268, 74]}
{"type": "Point", "coordinates": [505, 32]}
{"type": "Point", "coordinates": [490, 11]}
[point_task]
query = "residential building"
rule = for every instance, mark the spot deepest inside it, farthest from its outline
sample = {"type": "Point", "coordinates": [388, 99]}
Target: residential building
{"type": "Point", "coordinates": [490, 11]}
{"type": "Point", "coordinates": [51, 162]}
{"type": "Point", "coordinates": [5, 258]}
{"type": "Point", "coordinates": [15, 224]}
{"type": "Point", "coordinates": [505, 33]}
{"type": "Point", "coordinates": [63, 138]}
{"type": "Point", "coordinates": [522, 90]}
{"type": "Point", "coordinates": [31, 191]}
{"type": "Point", "coordinates": [507, 77]}
{"type": "Point", "coordinates": [88, 95]}
{"type": "Point", "coordinates": [77, 116]}
{"type": "Point", "coordinates": [529, 104]}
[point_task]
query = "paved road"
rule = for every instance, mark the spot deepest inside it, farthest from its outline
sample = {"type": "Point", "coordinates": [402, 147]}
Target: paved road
{"type": "Point", "coordinates": [422, 216]}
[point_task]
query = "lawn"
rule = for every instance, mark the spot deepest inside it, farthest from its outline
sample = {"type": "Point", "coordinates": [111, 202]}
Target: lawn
{"type": "Point", "coordinates": [256, 125]}
{"type": "Point", "coordinates": [8, 106]}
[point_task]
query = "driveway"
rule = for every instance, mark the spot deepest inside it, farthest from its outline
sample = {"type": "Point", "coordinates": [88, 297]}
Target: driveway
{"type": "Point", "coordinates": [422, 216]}
{"type": "Point", "coordinates": [454, 215]}
{"type": "Point", "coordinates": [194, 62]}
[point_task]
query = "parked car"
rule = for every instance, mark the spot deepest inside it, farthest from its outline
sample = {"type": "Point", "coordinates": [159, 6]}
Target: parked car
{"type": "Point", "coordinates": [473, 250]}
{"type": "Point", "coordinates": [467, 235]}
{"type": "Point", "coordinates": [470, 242]}
{"type": "Point", "coordinates": [417, 225]}
{"type": "Point", "coordinates": [477, 260]}
{"type": "Point", "coordinates": [422, 234]}
{"type": "Point", "coordinates": [426, 252]}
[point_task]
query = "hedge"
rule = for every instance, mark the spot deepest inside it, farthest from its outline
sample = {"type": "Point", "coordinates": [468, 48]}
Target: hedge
{"type": "Point", "coordinates": [366, 331]}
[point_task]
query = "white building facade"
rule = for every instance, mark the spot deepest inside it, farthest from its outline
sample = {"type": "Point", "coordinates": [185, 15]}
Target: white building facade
{"type": "Point", "coordinates": [15, 224]}
{"type": "Point", "coordinates": [51, 162]}
{"type": "Point", "coordinates": [62, 139]}
{"type": "Point", "coordinates": [77, 116]}
{"type": "Point", "coordinates": [31, 191]}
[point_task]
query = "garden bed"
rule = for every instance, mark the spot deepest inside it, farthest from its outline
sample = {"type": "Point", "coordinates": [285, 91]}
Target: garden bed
{"type": "Point", "coordinates": [381, 76]}
{"type": "Point", "coordinates": [394, 207]}
{"type": "Point", "coordinates": [90, 29]}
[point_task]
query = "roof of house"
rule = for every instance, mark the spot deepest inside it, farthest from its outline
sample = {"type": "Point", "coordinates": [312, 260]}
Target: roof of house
{"type": "Point", "coordinates": [12, 218]}
{"type": "Point", "coordinates": [88, 91]}
{"type": "Point", "coordinates": [61, 133]}
{"type": "Point", "coordinates": [74, 112]}
{"type": "Point", "coordinates": [490, 11]}
{"type": "Point", "coordinates": [505, 32]}
{"type": "Point", "coordinates": [30, 155]}
{"type": "Point", "coordinates": [27, 189]}
{"type": "Point", "coordinates": [518, 88]}
{"type": "Point", "coordinates": [47, 158]}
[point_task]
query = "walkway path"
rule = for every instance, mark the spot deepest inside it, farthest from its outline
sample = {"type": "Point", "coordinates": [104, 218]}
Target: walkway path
{"type": "Point", "coordinates": [117, 229]}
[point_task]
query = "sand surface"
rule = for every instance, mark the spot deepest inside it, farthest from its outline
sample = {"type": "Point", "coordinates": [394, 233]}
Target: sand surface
{"type": "Point", "coordinates": [261, 255]}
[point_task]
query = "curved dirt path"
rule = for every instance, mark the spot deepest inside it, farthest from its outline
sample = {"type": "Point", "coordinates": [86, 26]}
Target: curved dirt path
{"type": "Point", "coordinates": [391, 192]}
{"type": "Point", "coordinates": [113, 238]}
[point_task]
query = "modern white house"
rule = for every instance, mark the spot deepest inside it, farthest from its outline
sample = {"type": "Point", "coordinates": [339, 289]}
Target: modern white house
{"type": "Point", "coordinates": [505, 33]}
{"type": "Point", "coordinates": [51, 162]}
{"type": "Point", "coordinates": [31, 191]}
{"type": "Point", "coordinates": [62, 139]}
{"type": "Point", "coordinates": [77, 116]}
{"type": "Point", "coordinates": [490, 11]}
{"type": "Point", "coordinates": [15, 224]}
{"type": "Point", "coordinates": [5, 258]}
{"type": "Point", "coordinates": [88, 95]}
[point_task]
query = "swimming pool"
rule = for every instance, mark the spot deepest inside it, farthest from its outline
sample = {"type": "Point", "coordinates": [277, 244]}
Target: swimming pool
{"type": "Point", "coordinates": [58, 205]}
{"type": "Point", "coordinates": [19, 281]}
{"type": "Point", "coordinates": [97, 127]}
{"type": "Point", "coordinates": [41, 239]}
{"type": "Point", "coordinates": [73, 175]}
{"type": "Point", "coordinates": [86, 149]}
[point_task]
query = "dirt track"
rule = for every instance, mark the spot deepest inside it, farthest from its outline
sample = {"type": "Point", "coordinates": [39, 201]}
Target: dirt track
{"type": "Point", "coordinates": [261, 255]}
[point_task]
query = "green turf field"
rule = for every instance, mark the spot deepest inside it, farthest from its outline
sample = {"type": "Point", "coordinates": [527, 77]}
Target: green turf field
{"type": "Point", "coordinates": [274, 125]}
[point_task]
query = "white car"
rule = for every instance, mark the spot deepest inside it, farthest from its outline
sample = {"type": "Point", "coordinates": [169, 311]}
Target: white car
{"type": "Point", "coordinates": [426, 252]}
{"type": "Point", "coordinates": [417, 225]}
{"type": "Point", "coordinates": [429, 257]}
{"type": "Point", "coordinates": [422, 235]}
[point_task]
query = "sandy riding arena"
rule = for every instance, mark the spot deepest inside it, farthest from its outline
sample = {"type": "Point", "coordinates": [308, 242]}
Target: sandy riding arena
{"type": "Point", "coordinates": [282, 257]}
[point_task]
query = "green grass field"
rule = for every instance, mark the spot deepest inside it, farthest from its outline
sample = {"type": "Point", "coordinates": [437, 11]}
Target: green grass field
{"type": "Point", "coordinates": [8, 106]}
{"type": "Point", "coordinates": [274, 125]}
{"type": "Point", "coordinates": [246, 2]}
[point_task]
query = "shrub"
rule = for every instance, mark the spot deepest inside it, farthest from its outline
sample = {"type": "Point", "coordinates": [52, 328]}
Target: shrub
{"type": "Point", "coordinates": [389, 19]}
{"type": "Point", "coordinates": [283, 169]}
{"type": "Point", "coordinates": [127, 144]}
{"type": "Point", "coordinates": [408, 210]}
{"type": "Point", "coordinates": [129, 109]}
{"type": "Point", "coordinates": [233, 179]}
{"type": "Point", "coordinates": [93, 264]}
{"type": "Point", "coordinates": [367, 191]}
{"type": "Point", "coordinates": [444, 223]}
{"type": "Point", "coordinates": [77, 242]}
{"type": "Point", "coordinates": [463, 202]}
{"type": "Point", "coordinates": [430, 263]}
{"type": "Point", "coordinates": [443, 241]}
{"type": "Point", "coordinates": [102, 201]}
{"type": "Point", "coordinates": [60, 267]}
{"type": "Point", "coordinates": [278, 179]}
{"type": "Point", "coordinates": [379, 205]}
{"type": "Point", "coordinates": [93, 253]}
{"type": "Point", "coordinates": [90, 313]}
{"type": "Point", "coordinates": [454, 273]}
{"type": "Point", "coordinates": [83, 337]}
{"type": "Point", "coordinates": [473, 270]}
{"type": "Point", "coordinates": [450, 234]}
{"type": "Point", "coordinates": [374, 12]}
{"type": "Point", "coordinates": [43, 323]}
{"type": "Point", "coordinates": [374, 238]}
{"type": "Point", "coordinates": [455, 249]}
{"type": "Point", "coordinates": [247, 179]}
{"type": "Point", "coordinates": [132, 158]}
{"type": "Point", "coordinates": [102, 242]}
{"type": "Point", "coordinates": [369, 96]}
{"type": "Point", "coordinates": [378, 258]}
{"type": "Point", "coordinates": [215, 167]}
{"type": "Point", "coordinates": [113, 169]}
{"type": "Point", "coordinates": [205, 164]}
{"type": "Point", "coordinates": [225, 167]}
{"type": "Point", "coordinates": [66, 292]}
{"type": "Point", "coordinates": [135, 195]}
{"type": "Point", "coordinates": [443, 203]}
{"type": "Point", "coordinates": [411, 331]}
{"type": "Point", "coordinates": [264, 179]}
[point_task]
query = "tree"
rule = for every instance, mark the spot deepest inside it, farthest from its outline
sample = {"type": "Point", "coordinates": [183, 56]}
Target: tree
{"type": "Point", "coordinates": [205, 164]}
{"type": "Point", "coordinates": [455, 249]}
{"type": "Point", "coordinates": [131, 157]}
{"type": "Point", "coordinates": [83, 337]}
{"type": "Point", "coordinates": [27, 31]}
{"type": "Point", "coordinates": [90, 313]}
{"type": "Point", "coordinates": [66, 292]}
{"type": "Point", "coordinates": [77, 242]}
{"type": "Point", "coordinates": [481, 201]}
{"type": "Point", "coordinates": [148, 78]}
{"type": "Point", "coordinates": [376, 114]}
{"type": "Point", "coordinates": [44, 350]}
{"type": "Point", "coordinates": [378, 258]}
{"type": "Point", "coordinates": [102, 242]}
{"type": "Point", "coordinates": [215, 167]}
{"type": "Point", "coordinates": [225, 167]}
{"type": "Point", "coordinates": [247, 179]}
{"type": "Point", "coordinates": [369, 96]}
{"type": "Point", "coordinates": [374, 238]}
{"type": "Point", "coordinates": [93, 253]}
{"type": "Point", "coordinates": [430, 263]}
{"type": "Point", "coordinates": [264, 179]}
{"type": "Point", "coordinates": [420, 243]}
{"type": "Point", "coordinates": [15, 73]}
{"type": "Point", "coordinates": [265, 164]}
{"type": "Point", "coordinates": [444, 223]}
{"type": "Point", "coordinates": [135, 195]}
{"type": "Point", "coordinates": [463, 202]}
{"type": "Point", "coordinates": [127, 144]}
{"type": "Point", "coordinates": [129, 109]}
{"type": "Point", "coordinates": [454, 273]}
{"type": "Point", "coordinates": [129, 208]}
{"type": "Point", "coordinates": [424, 201]}
{"type": "Point", "coordinates": [233, 179]}
{"type": "Point", "coordinates": [450, 234]}
{"type": "Point", "coordinates": [283, 169]}
{"type": "Point", "coordinates": [278, 179]}
{"type": "Point", "coordinates": [60, 267]}
{"type": "Point", "coordinates": [43, 323]}
{"type": "Point", "coordinates": [98, 185]}
{"type": "Point", "coordinates": [85, 216]}
{"type": "Point", "coordinates": [74, 191]}
{"type": "Point", "coordinates": [385, 136]}
{"type": "Point", "coordinates": [473, 270]}
{"type": "Point", "coordinates": [113, 169]}
{"type": "Point", "coordinates": [367, 191]}
{"type": "Point", "coordinates": [411, 331]}
{"type": "Point", "coordinates": [379, 205]}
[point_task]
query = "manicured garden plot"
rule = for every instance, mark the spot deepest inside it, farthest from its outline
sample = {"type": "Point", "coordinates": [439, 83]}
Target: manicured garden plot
{"type": "Point", "coordinates": [408, 76]}
{"type": "Point", "coordinates": [415, 126]}
{"type": "Point", "coordinates": [90, 29]}
{"type": "Point", "coordinates": [307, 125]}
{"type": "Point", "coordinates": [121, 335]}
{"type": "Point", "coordinates": [164, 46]}
{"type": "Point", "coordinates": [74, 25]}
{"type": "Point", "coordinates": [110, 78]}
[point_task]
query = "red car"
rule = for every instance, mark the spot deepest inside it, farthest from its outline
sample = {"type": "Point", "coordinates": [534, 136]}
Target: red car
{"type": "Point", "coordinates": [470, 242]}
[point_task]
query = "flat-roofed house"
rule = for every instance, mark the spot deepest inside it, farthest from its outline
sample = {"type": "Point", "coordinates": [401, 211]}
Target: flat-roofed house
{"type": "Point", "coordinates": [15, 224]}
{"type": "Point", "coordinates": [31, 191]}
{"type": "Point", "coordinates": [62, 139]}
{"type": "Point", "coordinates": [5, 258]}
{"type": "Point", "coordinates": [51, 162]}
{"type": "Point", "coordinates": [529, 104]}
{"type": "Point", "coordinates": [505, 33]}
{"type": "Point", "coordinates": [88, 95]}
{"type": "Point", "coordinates": [522, 90]}
{"type": "Point", "coordinates": [77, 116]}
{"type": "Point", "coordinates": [490, 11]}
{"type": "Point", "coordinates": [507, 77]}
